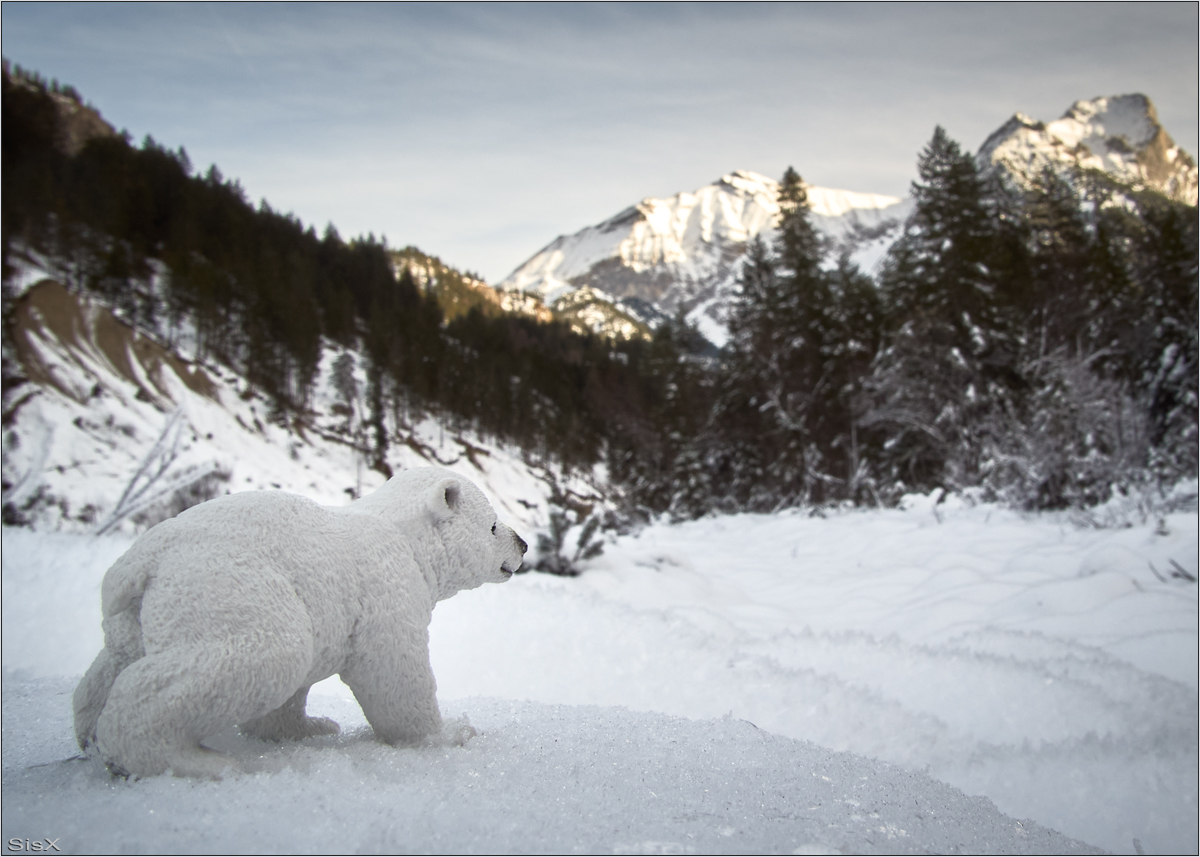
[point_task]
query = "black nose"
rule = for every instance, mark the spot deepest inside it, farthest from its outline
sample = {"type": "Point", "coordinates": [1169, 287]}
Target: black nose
{"type": "Point", "coordinates": [524, 547]}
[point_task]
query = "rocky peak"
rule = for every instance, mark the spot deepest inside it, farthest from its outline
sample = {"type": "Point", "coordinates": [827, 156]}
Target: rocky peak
{"type": "Point", "coordinates": [1119, 135]}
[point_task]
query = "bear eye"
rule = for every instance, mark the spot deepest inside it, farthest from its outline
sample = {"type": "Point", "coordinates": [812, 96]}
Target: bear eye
{"type": "Point", "coordinates": [493, 529]}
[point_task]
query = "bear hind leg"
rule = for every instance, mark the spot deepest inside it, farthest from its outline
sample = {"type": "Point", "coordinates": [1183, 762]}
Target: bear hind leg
{"type": "Point", "coordinates": [122, 646]}
{"type": "Point", "coordinates": [289, 722]}
{"type": "Point", "coordinates": [158, 710]}
{"type": "Point", "coordinates": [163, 705]}
{"type": "Point", "coordinates": [90, 696]}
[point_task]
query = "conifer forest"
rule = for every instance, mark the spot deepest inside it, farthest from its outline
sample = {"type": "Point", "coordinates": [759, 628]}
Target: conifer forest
{"type": "Point", "coordinates": [1032, 345]}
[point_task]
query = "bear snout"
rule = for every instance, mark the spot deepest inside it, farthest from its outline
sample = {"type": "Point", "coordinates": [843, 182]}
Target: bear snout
{"type": "Point", "coordinates": [510, 565]}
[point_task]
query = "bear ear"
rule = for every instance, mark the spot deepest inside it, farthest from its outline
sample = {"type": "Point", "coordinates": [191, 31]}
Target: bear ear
{"type": "Point", "coordinates": [442, 499]}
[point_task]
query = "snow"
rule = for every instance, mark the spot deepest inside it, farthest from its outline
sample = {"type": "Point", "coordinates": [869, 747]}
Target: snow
{"type": "Point", "coordinates": [686, 252]}
{"type": "Point", "coordinates": [1092, 122]}
{"type": "Point", "coordinates": [884, 681]}
{"type": "Point", "coordinates": [553, 779]}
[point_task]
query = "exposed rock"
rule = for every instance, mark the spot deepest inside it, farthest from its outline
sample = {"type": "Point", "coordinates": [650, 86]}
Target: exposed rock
{"type": "Point", "coordinates": [1119, 135]}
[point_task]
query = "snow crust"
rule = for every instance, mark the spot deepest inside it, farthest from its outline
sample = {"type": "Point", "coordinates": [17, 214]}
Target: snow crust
{"type": "Point", "coordinates": [914, 657]}
{"type": "Point", "coordinates": [538, 779]}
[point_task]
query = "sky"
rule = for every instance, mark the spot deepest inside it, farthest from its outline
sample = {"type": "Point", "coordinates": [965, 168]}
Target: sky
{"type": "Point", "coordinates": [480, 132]}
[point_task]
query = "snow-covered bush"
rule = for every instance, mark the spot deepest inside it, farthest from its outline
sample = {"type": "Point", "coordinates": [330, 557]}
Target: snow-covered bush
{"type": "Point", "coordinates": [552, 551]}
{"type": "Point", "coordinates": [1080, 438]}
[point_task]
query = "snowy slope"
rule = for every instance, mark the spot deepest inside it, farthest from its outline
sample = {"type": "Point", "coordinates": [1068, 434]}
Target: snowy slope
{"type": "Point", "coordinates": [107, 403]}
{"type": "Point", "coordinates": [682, 252]}
{"type": "Point", "coordinates": [903, 670]}
{"type": "Point", "coordinates": [1119, 135]}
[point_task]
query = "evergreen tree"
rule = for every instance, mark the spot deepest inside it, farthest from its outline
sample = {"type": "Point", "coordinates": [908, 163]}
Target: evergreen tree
{"type": "Point", "coordinates": [787, 385]}
{"type": "Point", "coordinates": [947, 370]}
{"type": "Point", "coordinates": [760, 453]}
{"type": "Point", "coordinates": [1166, 354]}
{"type": "Point", "coordinates": [1063, 297]}
{"type": "Point", "coordinates": [798, 246]}
{"type": "Point", "coordinates": [851, 345]}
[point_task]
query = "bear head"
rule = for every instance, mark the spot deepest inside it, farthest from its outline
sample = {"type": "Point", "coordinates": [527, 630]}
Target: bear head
{"type": "Point", "coordinates": [461, 514]}
{"type": "Point", "coordinates": [455, 525]}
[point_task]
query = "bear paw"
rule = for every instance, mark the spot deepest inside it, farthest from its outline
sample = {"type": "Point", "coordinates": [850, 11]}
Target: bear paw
{"type": "Point", "coordinates": [313, 726]}
{"type": "Point", "coordinates": [195, 762]}
{"type": "Point", "coordinates": [456, 732]}
{"type": "Point", "coordinates": [203, 763]}
{"type": "Point", "coordinates": [289, 729]}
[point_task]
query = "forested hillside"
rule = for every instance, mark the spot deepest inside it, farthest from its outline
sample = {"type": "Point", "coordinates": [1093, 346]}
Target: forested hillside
{"type": "Point", "coordinates": [188, 258]}
{"type": "Point", "coordinates": [1035, 346]}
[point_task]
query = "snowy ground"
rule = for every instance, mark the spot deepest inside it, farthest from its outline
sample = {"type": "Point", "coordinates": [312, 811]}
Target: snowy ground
{"type": "Point", "coordinates": [889, 661]}
{"type": "Point", "coordinates": [539, 778]}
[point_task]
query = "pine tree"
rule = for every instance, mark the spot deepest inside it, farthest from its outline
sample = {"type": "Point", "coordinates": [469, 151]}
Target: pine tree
{"type": "Point", "coordinates": [940, 266]}
{"type": "Point", "coordinates": [798, 246]}
{"type": "Point", "coordinates": [947, 369]}
{"type": "Point", "coordinates": [1071, 273]}
{"type": "Point", "coordinates": [788, 366]}
{"type": "Point", "coordinates": [852, 343]}
{"type": "Point", "coordinates": [1165, 354]}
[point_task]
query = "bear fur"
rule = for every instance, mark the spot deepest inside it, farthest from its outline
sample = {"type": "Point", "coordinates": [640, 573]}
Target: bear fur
{"type": "Point", "coordinates": [226, 615]}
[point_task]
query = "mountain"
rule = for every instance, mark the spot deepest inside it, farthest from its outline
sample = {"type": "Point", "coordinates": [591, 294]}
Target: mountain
{"type": "Point", "coordinates": [665, 255]}
{"type": "Point", "coordinates": [661, 256]}
{"type": "Point", "coordinates": [1119, 135]}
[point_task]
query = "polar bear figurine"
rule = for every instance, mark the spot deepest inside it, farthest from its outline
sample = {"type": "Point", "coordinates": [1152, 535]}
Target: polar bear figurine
{"type": "Point", "coordinates": [227, 614]}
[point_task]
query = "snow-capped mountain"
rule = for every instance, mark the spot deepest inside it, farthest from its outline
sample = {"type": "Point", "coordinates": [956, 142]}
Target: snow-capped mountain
{"type": "Point", "coordinates": [663, 255]}
{"type": "Point", "coordinates": [1119, 135]}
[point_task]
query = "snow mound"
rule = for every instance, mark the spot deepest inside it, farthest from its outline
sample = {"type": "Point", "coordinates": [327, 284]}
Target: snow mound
{"type": "Point", "coordinates": [538, 778]}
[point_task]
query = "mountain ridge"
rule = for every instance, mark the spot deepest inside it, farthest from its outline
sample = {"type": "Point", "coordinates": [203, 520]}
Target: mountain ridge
{"type": "Point", "coordinates": [662, 256]}
{"type": "Point", "coordinates": [684, 253]}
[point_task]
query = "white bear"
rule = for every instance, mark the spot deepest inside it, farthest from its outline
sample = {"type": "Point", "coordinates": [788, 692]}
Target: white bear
{"type": "Point", "coordinates": [227, 614]}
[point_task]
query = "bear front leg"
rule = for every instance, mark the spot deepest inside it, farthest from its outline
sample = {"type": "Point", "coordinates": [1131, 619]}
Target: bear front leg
{"type": "Point", "coordinates": [393, 682]}
{"type": "Point", "coordinates": [289, 722]}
